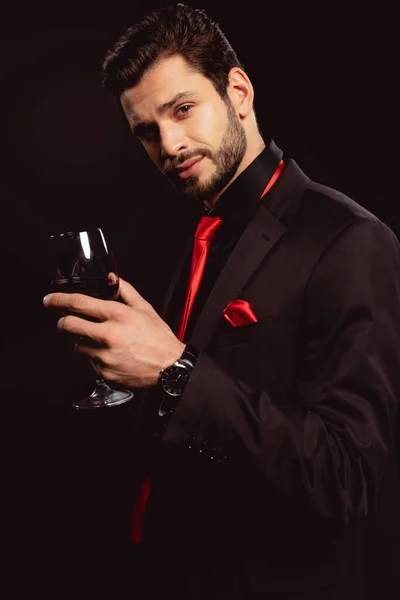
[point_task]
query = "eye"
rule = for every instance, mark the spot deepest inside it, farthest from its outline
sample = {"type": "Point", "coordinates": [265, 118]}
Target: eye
{"type": "Point", "coordinates": [150, 137]}
{"type": "Point", "coordinates": [146, 132]}
{"type": "Point", "coordinates": [184, 109]}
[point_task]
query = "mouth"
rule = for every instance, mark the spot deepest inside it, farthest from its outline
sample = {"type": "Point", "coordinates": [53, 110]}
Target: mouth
{"type": "Point", "coordinates": [189, 167]}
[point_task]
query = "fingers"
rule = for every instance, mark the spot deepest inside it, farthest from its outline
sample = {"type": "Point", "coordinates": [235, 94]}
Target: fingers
{"type": "Point", "coordinates": [85, 348]}
{"type": "Point", "coordinates": [82, 328]}
{"type": "Point", "coordinates": [98, 360]}
{"type": "Point", "coordinates": [94, 307]}
{"type": "Point", "coordinates": [129, 295]}
{"type": "Point", "coordinates": [80, 304]}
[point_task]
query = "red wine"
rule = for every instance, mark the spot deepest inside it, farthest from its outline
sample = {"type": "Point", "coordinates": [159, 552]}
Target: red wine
{"type": "Point", "coordinates": [97, 287]}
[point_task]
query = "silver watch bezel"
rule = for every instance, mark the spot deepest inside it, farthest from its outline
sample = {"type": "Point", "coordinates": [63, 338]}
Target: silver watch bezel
{"type": "Point", "coordinates": [182, 366]}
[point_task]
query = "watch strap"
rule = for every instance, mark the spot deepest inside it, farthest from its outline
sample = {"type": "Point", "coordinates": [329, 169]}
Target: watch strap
{"type": "Point", "coordinates": [189, 356]}
{"type": "Point", "coordinates": [188, 359]}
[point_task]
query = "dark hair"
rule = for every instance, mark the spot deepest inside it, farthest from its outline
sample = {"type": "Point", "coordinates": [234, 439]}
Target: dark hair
{"type": "Point", "coordinates": [163, 33]}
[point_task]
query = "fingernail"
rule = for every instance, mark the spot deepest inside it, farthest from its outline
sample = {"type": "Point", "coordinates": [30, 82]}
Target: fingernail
{"type": "Point", "coordinates": [46, 299]}
{"type": "Point", "coordinates": [60, 323]}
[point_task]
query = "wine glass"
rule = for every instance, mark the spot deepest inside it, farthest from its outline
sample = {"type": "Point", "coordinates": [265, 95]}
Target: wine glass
{"type": "Point", "coordinates": [84, 264]}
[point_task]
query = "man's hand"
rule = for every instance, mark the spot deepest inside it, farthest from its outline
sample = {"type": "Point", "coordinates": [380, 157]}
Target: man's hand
{"type": "Point", "coordinates": [131, 341]}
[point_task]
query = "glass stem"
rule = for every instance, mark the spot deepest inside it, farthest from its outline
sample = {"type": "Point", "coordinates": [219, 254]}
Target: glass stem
{"type": "Point", "coordinates": [100, 383]}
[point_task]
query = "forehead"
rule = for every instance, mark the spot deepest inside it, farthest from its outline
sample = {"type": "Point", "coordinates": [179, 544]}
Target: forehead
{"type": "Point", "coordinates": [166, 79]}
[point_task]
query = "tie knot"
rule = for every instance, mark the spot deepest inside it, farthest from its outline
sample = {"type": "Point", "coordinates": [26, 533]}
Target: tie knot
{"type": "Point", "coordinates": [207, 228]}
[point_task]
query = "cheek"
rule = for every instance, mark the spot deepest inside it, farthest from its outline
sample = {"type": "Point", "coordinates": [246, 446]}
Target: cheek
{"type": "Point", "coordinates": [213, 125]}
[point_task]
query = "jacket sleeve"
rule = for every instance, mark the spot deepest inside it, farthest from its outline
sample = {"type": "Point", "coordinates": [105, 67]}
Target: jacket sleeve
{"type": "Point", "coordinates": [329, 444]}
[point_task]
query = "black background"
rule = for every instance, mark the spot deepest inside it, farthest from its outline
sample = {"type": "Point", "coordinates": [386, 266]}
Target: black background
{"type": "Point", "coordinates": [324, 83]}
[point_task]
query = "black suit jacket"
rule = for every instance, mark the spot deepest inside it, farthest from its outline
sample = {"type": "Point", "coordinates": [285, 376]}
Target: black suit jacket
{"type": "Point", "coordinates": [268, 475]}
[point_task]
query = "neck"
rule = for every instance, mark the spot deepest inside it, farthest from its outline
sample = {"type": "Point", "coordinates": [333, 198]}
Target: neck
{"type": "Point", "coordinates": [253, 150]}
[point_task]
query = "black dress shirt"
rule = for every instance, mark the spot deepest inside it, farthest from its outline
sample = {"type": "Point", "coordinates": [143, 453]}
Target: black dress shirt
{"type": "Point", "coordinates": [235, 207]}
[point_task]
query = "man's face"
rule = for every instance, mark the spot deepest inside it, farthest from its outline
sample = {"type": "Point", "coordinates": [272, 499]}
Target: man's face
{"type": "Point", "coordinates": [190, 133]}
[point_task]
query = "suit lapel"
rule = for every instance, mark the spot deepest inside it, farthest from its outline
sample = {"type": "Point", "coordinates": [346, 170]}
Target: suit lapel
{"type": "Point", "coordinates": [260, 236]}
{"type": "Point", "coordinates": [257, 241]}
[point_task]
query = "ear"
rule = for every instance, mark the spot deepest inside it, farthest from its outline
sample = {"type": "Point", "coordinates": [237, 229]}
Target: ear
{"type": "Point", "coordinates": [240, 91]}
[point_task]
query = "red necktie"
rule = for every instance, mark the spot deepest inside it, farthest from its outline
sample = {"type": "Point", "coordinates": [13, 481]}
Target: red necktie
{"type": "Point", "coordinates": [205, 232]}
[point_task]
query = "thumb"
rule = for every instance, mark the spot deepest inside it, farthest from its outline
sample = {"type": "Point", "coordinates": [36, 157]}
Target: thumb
{"type": "Point", "coordinates": [128, 294]}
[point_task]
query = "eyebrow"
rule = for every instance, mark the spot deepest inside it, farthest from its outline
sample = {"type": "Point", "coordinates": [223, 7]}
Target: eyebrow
{"type": "Point", "coordinates": [162, 109]}
{"type": "Point", "coordinates": [167, 105]}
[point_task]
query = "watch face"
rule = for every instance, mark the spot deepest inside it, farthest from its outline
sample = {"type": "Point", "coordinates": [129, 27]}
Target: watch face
{"type": "Point", "coordinates": [173, 380]}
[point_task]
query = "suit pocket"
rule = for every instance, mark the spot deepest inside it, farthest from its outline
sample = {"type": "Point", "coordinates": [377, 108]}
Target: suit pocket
{"type": "Point", "coordinates": [232, 336]}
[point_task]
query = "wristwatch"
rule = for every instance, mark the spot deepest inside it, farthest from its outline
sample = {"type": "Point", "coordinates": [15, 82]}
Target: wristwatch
{"type": "Point", "coordinates": [173, 379]}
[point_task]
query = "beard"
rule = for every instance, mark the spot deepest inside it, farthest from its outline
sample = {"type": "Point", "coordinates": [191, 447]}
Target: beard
{"type": "Point", "coordinates": [226, 160]}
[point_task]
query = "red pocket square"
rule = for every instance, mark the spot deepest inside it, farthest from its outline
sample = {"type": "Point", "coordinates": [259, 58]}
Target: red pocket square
{"type": "Point", "coordinates": [239, 312]}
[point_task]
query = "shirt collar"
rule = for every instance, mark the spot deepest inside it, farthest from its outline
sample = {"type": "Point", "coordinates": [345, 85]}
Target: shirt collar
{"type": "Point", "coordinates": [240, 199]}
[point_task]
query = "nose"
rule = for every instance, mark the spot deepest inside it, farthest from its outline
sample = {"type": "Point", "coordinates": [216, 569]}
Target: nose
{"type": "Point", "coordinates": [172, 140]}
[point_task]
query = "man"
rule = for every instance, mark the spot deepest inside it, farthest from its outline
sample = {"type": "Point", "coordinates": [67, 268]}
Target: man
{"type": "Point", "coordinates": [270, 391]}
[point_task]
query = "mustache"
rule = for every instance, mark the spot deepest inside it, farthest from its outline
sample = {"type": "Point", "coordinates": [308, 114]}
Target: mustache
{"type": "Point", "coordinates": [171, 164]}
